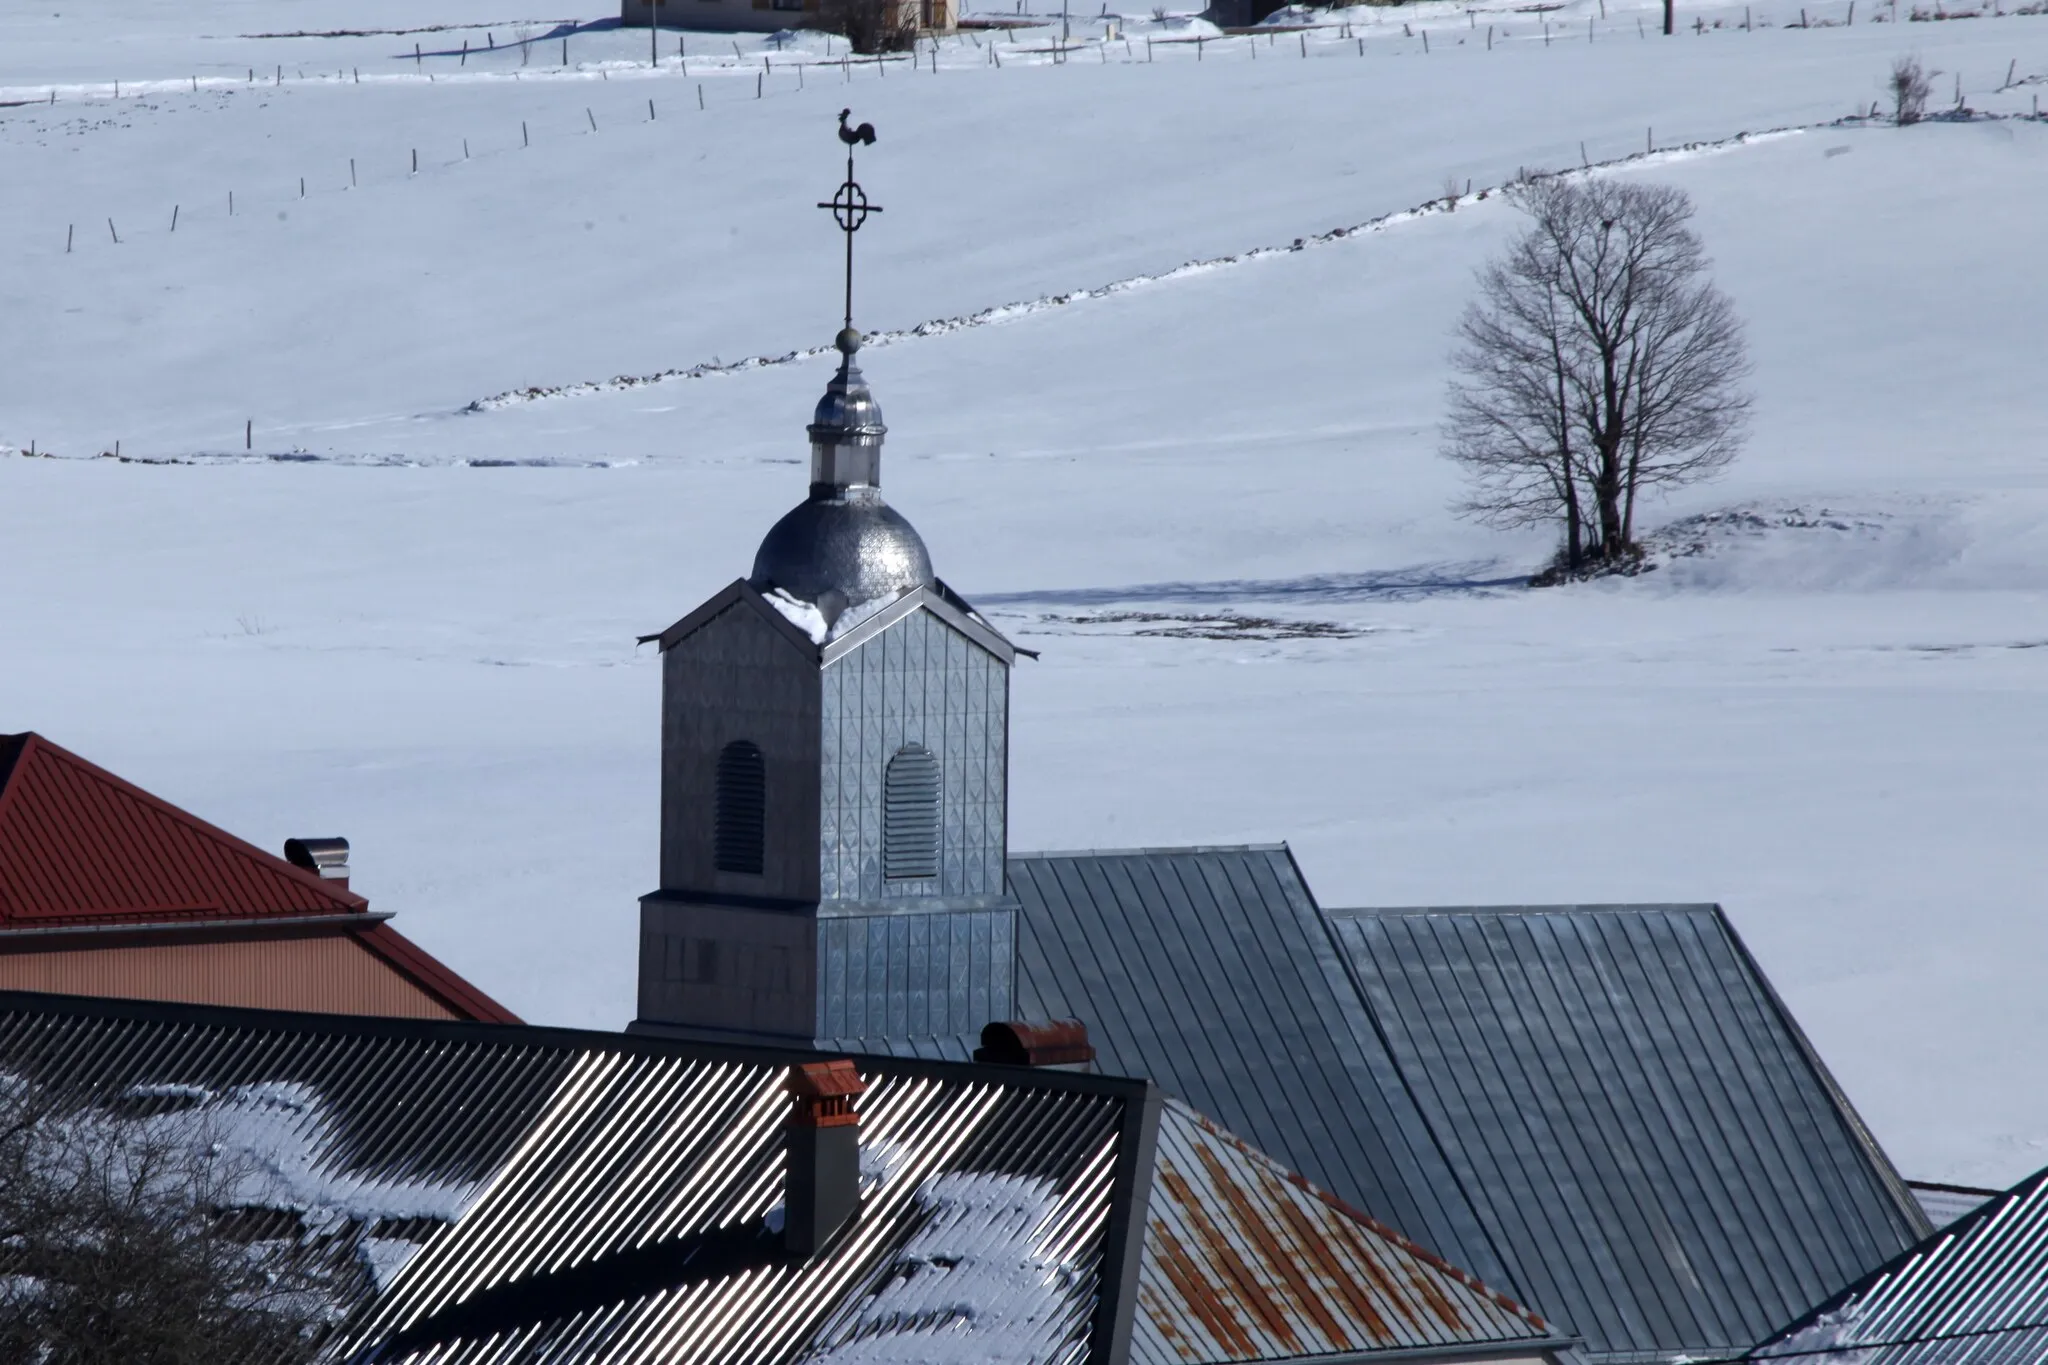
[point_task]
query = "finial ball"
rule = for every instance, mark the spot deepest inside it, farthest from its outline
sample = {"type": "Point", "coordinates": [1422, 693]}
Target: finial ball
{"type": "Point", "coordinates": [848, 341]}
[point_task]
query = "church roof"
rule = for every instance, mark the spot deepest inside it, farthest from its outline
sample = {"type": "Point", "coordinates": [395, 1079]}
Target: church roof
{"type": "Point", "coordinates": [1209, 971]}
{"type": "Point", "coordinates": [1644, 1130]}
{"type": "Point", "coordinates": [80, 846]}
{"type": "Point", "coordinates": [1605, 1112]}
{"type": "Point", "coordinates": [1975, 1293]}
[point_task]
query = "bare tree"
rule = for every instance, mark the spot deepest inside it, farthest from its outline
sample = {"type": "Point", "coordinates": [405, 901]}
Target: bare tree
{"type": "Point", "coordinates": [1910, 86]}
{"type": "Point", "coordinates": [122, 1243]}
{"type": "Point", "coordinates": [1597, 362]}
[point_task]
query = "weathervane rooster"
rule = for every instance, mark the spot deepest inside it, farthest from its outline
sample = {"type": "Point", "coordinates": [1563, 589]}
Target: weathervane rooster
{"type": "Point", "coordinates": [850, 208]}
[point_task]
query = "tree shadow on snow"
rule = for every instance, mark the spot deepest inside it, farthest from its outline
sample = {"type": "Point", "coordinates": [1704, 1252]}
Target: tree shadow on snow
{"type": "Point", "coordinates": [1381, 585]}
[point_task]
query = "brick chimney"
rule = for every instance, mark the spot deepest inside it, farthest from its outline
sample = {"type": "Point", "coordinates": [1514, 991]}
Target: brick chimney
{"type": "Point", "coordinates": [821, 1188]}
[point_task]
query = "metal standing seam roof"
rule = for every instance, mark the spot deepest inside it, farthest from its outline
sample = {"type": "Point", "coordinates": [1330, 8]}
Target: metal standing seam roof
{"type": "Point", "coordinates": [79, 845]}
{"type": "Point", "coordinates": [1245, 1261]}
{"type": "Point", "coordinates": [1975, 1293]}
{"type": "Point", "coordinates": [547, 1196]}
{"type": "Point", "coordinates": [1655, 1148]}
{"type": "Point", "coordinates": [1209, 971]}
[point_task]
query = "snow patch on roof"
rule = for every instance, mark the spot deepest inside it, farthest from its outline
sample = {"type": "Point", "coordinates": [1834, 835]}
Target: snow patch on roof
{"type": "Point", "coordinates": [283, 1142]}
{"type": "Point", "coordinates": [805, 616]}
{"type": "Point", "coordinates": [975, 1284]}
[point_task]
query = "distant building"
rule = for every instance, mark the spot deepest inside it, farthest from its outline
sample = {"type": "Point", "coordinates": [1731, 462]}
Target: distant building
{"type": "Point", "coordinates": [770, 16]}
{"type": "Point", "coordinates": [522, 1196]}
{"type": "Point", "coordinates": [108, 890]}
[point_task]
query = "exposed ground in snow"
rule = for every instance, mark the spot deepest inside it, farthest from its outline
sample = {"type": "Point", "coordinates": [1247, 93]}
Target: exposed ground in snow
{"type": "Point", "coordinates": [1189, 463]}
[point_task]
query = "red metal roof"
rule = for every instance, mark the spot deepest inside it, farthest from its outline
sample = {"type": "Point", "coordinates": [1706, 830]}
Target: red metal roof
{"type": "Point", "coordinates": [80, 846]}
{"type": "Point", "coordinates": [428, 972]}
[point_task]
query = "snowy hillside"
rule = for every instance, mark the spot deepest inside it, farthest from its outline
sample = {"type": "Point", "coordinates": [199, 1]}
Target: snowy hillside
{"type": "Point", "coordinates": [1191, 463]}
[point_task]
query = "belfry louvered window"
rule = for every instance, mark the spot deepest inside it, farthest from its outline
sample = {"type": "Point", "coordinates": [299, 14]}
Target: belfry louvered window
{"type": "Point", "coordinates": [742, 807]}
{"type": "Point", "coordinates": [910, 815]}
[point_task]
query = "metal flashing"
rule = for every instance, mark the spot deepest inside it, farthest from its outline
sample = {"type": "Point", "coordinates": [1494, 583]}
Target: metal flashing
{"type": "Point", "coordinates": [940, 604]}
{"type": "Point", "coordinates": [348, 919]}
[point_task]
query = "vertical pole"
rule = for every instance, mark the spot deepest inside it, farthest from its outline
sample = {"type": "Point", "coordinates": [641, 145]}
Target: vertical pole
{"type": "Point", "coordinates": [351, 172]}
{"type": "Point", "coordinates": [249, 434]}
{"type": "Point", "coordinates": [69, 228]}
{"type": "Point", "coordinates": [653, 56]}
{"type": "Point", "coordinates": [174, 217]}
{"type": "Point", "coordinates": [524, 139]}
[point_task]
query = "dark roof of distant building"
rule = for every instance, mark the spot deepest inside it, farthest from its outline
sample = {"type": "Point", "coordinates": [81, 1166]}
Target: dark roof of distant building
{"type": "Point", "coordinates": [1644, 1129]}
{"type": "Point", "coordinates": [80, 846]}
{"type": "Point", "coordinates": [1944, 1204]}
{"type": "Point", "coordinates": [548, 1197]}
{"type": "Point", "coordinates": [1974, 1293]}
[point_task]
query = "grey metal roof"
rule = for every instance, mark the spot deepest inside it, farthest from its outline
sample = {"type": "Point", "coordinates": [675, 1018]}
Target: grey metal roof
{"type": "Point", "coordinates": [1975, 1293]}
{"type": "Point", "coordinates": [1245, 1261]}
{"type": "Point", "coordinates": [1653, 1145]}
{"type": "Point", "coordinates": [548, 1196]}
{"type": "Point", "coordinates": [1944, 1204]}
{"type": "Point", "coordinates": [1210, 972]}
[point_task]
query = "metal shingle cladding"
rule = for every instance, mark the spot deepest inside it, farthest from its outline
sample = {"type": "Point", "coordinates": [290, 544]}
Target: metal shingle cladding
{"type": "Point", "coordinates": [1246, 1262]}
{"type": "Point", "coordinates": [1975, 1293]}
{"type": "Point", "coordinates": [1210, 972]}
{"type": "Point", "coordinates": [593, 1199]}
{"type": "Point", "coordinates": [1657, 1152]}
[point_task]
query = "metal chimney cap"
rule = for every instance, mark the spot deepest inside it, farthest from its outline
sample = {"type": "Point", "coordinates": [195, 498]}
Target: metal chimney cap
{"type": "Point", "coordinates": [325, 858]}
{"type": "Point", "coordinates": [1057, 1042]}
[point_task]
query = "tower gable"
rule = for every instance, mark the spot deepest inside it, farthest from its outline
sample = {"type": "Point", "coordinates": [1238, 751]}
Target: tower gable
{"type": "Point", "coordinates": [739, 746]}
{"type": "Point", "coordinates": [918, 698]}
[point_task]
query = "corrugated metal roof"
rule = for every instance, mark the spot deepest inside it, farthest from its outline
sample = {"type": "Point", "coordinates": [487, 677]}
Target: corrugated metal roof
{"type": "Point", "coordinates": [80, 846]}
{"type": "Point", "coordinates": [1210, 972]}
{"type": "Point", "coordinates": [546, 1196]}
{"type": "Point", "coordinates": [1245, 1261]}
{"type": "Point", "coordinates": [1975, 1293]}
{"type": "Point", "coordinates": [1647, 1135]}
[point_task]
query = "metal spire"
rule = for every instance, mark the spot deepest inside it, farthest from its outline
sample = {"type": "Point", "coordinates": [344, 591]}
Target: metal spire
{"type": "Point", "coordinates": [850, 206]}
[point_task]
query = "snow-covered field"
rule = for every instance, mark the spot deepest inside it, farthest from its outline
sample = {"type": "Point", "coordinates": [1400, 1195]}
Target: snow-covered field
{"type": "Point", "coordinates": [1192, 465]}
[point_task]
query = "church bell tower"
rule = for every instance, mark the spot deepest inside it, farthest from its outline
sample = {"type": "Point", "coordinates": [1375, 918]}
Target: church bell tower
{"type": "Point", "coordinates": [834, 749]}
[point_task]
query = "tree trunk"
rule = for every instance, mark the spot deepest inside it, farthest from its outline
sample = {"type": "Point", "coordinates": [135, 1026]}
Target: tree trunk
{"type": "Point", "coordinates": [1667, 18]}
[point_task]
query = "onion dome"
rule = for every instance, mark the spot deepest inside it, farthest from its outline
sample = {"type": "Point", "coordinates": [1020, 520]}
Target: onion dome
{"type": "Point", "coordinates": [843, 547]}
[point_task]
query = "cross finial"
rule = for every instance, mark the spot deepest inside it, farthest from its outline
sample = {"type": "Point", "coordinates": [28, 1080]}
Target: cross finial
{"type": "Point", "coordinates": [850, 206]}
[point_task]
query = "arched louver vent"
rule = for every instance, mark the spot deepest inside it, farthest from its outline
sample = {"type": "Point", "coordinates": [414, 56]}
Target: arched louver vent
{"type": "Point", "coordinates": [742, 807]}
{"type": "Point", "coordinates": [910, 815]}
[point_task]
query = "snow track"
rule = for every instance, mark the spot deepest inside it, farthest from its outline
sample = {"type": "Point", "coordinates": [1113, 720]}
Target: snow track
{"type": "Point", "coordinates": [1008, 312]}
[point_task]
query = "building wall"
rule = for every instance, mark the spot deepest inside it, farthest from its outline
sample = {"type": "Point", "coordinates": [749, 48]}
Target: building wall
{"type": "Point", "coordinates": [918, 682]}
{"type": "Point", "coordinates": [738, 677]}
{"type": "Point", "coordinates": [330, 973]}
{"type": "Point", "coordinates": [727, 967]}
{"type": "Point", "coordinates": [915, 975]}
